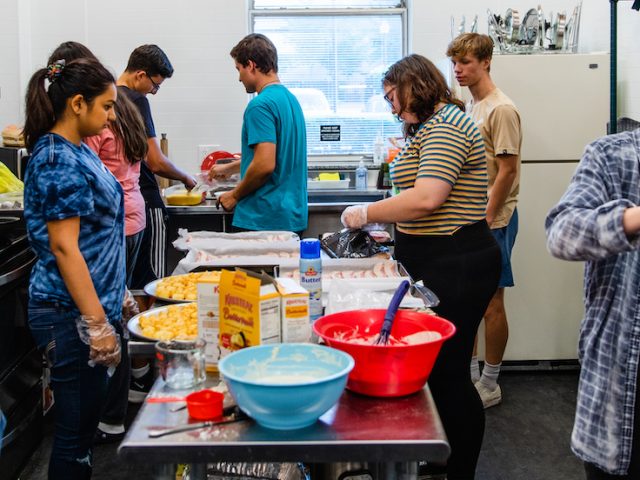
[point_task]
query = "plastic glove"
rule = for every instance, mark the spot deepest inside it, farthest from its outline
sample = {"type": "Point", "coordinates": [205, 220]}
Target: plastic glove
{"type": "Point", "coordinates": [354, 216]}
{"type": "Point", "coordinates": [130, 307]}
{"type": "Point", "coordinates": [104, 343]}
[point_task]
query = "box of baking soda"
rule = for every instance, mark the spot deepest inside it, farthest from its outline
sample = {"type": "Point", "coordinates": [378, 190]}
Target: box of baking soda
{"type": "Point", "coordinates": [209, 319]}
{"type": "Point", "coordinates": [294, 311]}
{"type": "Point", "coordinates": [249, 310]}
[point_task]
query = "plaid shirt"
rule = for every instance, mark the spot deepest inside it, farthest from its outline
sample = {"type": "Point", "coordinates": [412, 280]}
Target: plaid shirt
{"type": "Point", "coordinates": [587, 225]}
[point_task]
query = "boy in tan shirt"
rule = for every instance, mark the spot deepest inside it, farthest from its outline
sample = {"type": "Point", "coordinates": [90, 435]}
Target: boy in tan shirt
{"type": "Point", "coordinates": [499, 122]}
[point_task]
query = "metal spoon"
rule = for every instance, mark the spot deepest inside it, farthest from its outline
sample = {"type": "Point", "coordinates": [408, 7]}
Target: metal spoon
{"type": "Point", "coordinates": [236, 416]}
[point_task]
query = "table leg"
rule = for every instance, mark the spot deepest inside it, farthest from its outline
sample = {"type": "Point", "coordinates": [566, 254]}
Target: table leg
{"type": "Point", "coordinates": [164, 471]}
{"type": "Point", "coordinates": [198, 471]}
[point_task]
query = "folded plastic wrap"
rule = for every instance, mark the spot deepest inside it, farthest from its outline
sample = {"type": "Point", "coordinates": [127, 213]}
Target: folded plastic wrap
{"type": "Point", "coordinates": [243, 243]}
{"type": "Point", "coordinates": [354, 294]}
{"type": "Point", "coordinates": [352, 243]}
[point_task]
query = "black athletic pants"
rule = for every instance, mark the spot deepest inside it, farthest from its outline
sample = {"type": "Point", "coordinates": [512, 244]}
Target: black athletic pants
{"type": "Point", "coordinates": [463, 270]}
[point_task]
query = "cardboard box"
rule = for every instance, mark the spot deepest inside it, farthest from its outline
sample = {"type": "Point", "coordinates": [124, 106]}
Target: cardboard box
{"type": "Point", "coordinates": [249, 310]}
{"type": "Point", "coordinates": [294, 311]}
{"type": "Point", "coordinates": [209, 321]}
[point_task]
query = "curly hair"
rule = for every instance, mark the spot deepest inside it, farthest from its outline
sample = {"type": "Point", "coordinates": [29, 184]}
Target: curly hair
{"type": "Point", "coordinates": [420, 86]}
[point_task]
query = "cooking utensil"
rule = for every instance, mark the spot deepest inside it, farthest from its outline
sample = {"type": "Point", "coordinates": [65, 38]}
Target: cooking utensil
{"type": "Point", "coordinates": [429, 298]}
{"type": "Point", "coordinates": [286, 386]}
{"type": "Point", "coordinates": [474, 25]}
{"type": "Point", "coordinates": [529, 28]}
{"type": "Point", "coordinates": [7, 224]}
{"type": "Point", "coordinates": [512, 26]}
{"type": "Point", "coordinates": [390, 315]}
{"type": "Point", "coordinates": [386, 370]}
{"type": "Point", "coordinates": [205, 404]}
{"type": "Point", "coordinates": [235, 415]}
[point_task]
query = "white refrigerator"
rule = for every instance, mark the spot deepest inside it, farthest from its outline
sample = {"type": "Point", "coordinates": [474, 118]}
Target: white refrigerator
{"type": "Point", "coordinates": [563, 100]}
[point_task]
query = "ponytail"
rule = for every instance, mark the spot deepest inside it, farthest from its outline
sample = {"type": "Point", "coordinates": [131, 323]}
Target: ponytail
{"type": "Point", "coordinates": [40, 116]}
{"type": "Point", "coordinates": [46, 105]}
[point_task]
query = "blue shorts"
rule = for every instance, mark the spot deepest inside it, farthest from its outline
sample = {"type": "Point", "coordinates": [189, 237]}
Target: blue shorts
{"type": "Point", "coordinates": [506, 237]}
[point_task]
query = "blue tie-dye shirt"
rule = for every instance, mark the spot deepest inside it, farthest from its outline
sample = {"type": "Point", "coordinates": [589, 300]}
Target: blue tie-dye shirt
{"type": "Point", "coordinates": [62, 181]}
{"type": "Point", "coordinates": [587, 225]}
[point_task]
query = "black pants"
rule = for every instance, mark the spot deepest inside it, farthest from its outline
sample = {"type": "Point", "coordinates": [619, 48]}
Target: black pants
{"type": "Point", "coordinates": [150, 262]}
{"type": "Point", "coordinates": [594, 473]}
{"type": "Point", "coordinates": [463, 270]}
{"type": "Point", "coordinates": [116, 402]}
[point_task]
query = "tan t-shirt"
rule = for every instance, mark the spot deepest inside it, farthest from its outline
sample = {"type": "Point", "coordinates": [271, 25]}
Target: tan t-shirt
{"type": "Point", "coordinates": [499, 122]}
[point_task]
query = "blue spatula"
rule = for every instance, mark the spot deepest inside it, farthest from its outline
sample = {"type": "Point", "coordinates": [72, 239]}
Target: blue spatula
{"type": "Point", "coordinates": [390, 314]}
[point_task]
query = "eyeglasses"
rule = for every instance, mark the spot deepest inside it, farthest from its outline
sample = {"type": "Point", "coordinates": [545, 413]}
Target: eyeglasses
{"type": "Point", "coordinates": [386, 96]}
{"type": "Point", "coordinates": [156, 86]}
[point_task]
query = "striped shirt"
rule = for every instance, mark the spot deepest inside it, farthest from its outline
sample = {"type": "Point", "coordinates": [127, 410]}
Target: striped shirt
{"type": "Point", "coordinates": [587, 225]}
{"type": "Point", "coordinates": [448, 147]}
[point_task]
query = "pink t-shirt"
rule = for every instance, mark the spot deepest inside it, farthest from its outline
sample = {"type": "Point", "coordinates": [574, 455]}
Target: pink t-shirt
{"type": "Point", "coordinates": [112, 155]}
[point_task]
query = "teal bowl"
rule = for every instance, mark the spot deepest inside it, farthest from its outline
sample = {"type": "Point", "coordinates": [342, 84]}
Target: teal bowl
{"type": "Point", "coordinates": [286, 386]}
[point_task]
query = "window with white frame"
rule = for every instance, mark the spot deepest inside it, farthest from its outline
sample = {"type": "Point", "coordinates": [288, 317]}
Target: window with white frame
{"type": "Point", "coordinates": [332, 55]}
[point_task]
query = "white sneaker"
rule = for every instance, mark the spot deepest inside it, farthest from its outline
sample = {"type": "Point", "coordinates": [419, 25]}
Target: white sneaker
{"type": "Point", "coordinates": [490, 398]}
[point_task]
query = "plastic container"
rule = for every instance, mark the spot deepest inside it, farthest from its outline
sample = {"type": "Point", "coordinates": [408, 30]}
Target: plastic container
{"type": "Point", "coordinates": [205, 404]}
{"type": "Point", "coordinates": [386, 370]}
{"type": "Point", "coordinates": [378, 151]}
{"type": "Point", "coordinates": [286, 385]}
{"type": "Point", "coordinates": [311, 275]}
{"type": "Point", "coordinates": [361, 176]}
{"type": "Point", "coordinates": [384, 177]}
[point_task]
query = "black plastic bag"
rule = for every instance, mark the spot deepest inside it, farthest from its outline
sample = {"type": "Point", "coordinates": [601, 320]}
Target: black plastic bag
{"type": "Point", "coordinates": [352, 243]}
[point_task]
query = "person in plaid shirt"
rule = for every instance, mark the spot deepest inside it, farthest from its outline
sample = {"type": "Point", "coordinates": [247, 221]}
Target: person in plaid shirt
{"type": "Point", "coordinates": [598, 221]}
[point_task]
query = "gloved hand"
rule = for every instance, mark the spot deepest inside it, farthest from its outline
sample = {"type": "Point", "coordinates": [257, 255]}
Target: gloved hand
{"type": "Point", "coordinates": [354, 216]}
{"type": "Point", "coordinates": [129, 306]}
{"type": "Point", "coordinates": [104, 343]}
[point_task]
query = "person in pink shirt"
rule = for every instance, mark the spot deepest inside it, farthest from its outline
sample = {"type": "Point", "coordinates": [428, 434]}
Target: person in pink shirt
{"type": "Point", "coordinates": [121, 148]}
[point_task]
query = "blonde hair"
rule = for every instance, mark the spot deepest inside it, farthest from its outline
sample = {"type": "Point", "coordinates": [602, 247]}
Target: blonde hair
{"type": "Point", "coordinates": [478, 45]}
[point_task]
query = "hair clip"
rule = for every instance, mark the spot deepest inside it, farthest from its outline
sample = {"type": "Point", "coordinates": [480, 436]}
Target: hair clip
{"type": "Point", "coordinates": [55, 70]}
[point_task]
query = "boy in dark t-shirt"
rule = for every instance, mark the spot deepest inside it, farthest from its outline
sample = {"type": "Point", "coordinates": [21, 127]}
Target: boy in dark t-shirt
{"type": "Point", "coordinates": [147, 68]}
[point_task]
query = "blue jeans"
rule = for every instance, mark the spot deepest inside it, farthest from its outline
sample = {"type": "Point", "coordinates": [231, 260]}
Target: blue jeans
{"type": "Point", "coordinates": [79, 389]}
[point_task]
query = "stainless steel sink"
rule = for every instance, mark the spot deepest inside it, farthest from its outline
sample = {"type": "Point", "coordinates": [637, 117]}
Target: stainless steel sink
{"type": "Point", "coordinates": [345, 196]}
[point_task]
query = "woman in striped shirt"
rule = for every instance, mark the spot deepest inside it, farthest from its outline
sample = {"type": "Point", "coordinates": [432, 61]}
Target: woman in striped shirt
{"type": "Point", "coordinates": [441, 235]}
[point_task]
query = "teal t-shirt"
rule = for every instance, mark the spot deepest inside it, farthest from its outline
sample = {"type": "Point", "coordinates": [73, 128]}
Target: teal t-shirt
{"type": "Point", "coordinates": [275, 116]}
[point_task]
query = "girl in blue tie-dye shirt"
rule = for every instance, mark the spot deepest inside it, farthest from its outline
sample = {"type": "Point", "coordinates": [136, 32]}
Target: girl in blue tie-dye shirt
{"type": "Point", "coordinates": [74, 213]}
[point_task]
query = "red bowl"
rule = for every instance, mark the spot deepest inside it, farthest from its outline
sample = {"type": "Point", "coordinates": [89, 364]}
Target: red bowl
{"type": "Point", "coordinates": [386, 370]}
{"type": "Point", "coordinates": [204, 404]}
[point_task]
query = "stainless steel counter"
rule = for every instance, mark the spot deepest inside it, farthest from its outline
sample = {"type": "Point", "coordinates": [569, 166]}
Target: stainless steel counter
{"type": "Point", "coordinates": [356, 429]}
{"type": "Point", "coordinates": [319, 200]}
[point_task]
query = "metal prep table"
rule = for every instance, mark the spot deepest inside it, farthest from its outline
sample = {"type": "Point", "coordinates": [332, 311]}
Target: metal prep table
{"type": "Point", "coordinates": [356, 429]}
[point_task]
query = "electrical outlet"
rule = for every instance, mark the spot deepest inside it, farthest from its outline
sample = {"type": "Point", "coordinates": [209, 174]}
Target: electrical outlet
{"type": "Point", "coordinates": [204, 150]}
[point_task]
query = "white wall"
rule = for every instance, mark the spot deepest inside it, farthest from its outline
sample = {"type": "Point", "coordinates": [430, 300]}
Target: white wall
{"type": "Point", "coordinates": [203, 102]}
{"type": "Point", "coordinates": [10, 101]}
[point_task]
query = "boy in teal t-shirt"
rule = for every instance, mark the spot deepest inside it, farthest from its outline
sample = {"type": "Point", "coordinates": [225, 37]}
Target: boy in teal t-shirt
{"type": "Point", "coordinates": [275, 116]}
{"type": "Point", "coordinates": [272, 192]}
